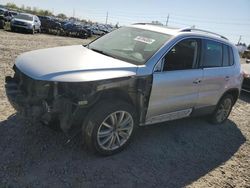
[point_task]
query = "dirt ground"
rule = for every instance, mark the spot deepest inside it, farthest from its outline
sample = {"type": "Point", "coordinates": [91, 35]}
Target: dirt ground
{"type": "Point", "coordinates": [183, 153]}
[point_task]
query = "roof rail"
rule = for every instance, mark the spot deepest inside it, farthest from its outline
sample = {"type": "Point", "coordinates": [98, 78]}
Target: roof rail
{"type": "Point", "coordinates": [201, 30]}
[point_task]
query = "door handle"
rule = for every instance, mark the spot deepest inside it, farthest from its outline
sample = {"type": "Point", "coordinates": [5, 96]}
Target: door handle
{"type": "Point", "coordinates": [197, 81]}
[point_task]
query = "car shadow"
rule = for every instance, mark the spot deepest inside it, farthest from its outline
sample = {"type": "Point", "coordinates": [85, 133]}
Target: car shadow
{"type": "Point", "coordinates": [172, 154]}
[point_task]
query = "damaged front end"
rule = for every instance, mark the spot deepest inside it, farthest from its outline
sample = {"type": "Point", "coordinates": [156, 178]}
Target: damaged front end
{"type": "Point", "coordinates": [44, 101]}
{"type": "Point", "coordinates": [67, 103]}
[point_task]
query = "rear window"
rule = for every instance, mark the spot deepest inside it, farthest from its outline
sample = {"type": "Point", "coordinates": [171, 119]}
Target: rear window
{"type": "Point", "coordinates": [212, 54]}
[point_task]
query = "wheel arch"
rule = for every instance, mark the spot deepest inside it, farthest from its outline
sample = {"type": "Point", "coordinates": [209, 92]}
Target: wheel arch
{"type": "Point", "coordinates": [234, 92]}
{"type": "Point", "coordinates": [117, 94]}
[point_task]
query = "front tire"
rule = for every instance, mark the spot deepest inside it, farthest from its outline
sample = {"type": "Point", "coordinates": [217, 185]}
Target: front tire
{"type": "Point", "coordinates": [223, 109]}
{"type": "Point", "coordinates": [109, 127]}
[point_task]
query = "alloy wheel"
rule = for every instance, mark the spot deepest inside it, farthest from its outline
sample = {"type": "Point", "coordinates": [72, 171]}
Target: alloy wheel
{"type": "Point", "coordinates": [115, 130]}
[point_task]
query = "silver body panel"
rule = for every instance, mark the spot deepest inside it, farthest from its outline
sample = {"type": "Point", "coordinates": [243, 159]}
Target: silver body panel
{"type": "Point", "coordinates": [173, 91]}
{"type": "Point", "coordinates": [72, 64]}
{"type": "Point", "coordinates": [169, 116]}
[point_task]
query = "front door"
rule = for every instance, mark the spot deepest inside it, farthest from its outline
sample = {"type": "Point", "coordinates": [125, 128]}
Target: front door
{"type": "Point", "coordinates": [175, 89]}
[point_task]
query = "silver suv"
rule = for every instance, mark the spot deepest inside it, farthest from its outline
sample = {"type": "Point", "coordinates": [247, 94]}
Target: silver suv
{"type": "Point", "coordinates": [27, 22]}
{"type": "Point", "coordinates": [133, 76]}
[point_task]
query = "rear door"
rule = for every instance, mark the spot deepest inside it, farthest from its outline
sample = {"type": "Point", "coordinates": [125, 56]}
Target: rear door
{"type": "Point", "coordinates": [217, 72]}
{"type": "Point", "coordinates": [176, 83]}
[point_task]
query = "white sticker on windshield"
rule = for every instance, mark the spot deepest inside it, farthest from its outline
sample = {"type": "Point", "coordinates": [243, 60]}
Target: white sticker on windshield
{"type": "Point", "coordinates": [144, 39]}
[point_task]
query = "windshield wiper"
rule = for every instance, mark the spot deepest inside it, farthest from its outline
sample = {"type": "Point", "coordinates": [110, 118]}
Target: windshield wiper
{"type": "Point", "coordinates": [101, 52]}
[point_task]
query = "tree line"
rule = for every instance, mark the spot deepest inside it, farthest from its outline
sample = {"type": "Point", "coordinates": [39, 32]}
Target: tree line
{"type": "Point", "coordinates": [34, 10]}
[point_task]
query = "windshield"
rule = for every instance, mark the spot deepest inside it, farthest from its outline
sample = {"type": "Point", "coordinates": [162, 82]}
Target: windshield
{"type": "Point", "coordinates": [24, 17]}
{"type": "Point", "coordinates": [130, 44]}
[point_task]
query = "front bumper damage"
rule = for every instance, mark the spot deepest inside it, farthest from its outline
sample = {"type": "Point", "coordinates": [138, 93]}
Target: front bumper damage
{"type": "Point", "coordinates": [69, 102]}
{"type": "Point", "coordinates": [40, 100]}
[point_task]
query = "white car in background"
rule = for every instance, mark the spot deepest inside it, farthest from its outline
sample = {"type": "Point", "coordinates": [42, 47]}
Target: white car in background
{"type": "Point", "coordinates": [25, 22]}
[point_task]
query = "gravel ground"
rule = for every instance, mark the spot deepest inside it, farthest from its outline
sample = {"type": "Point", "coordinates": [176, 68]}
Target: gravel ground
{"type": "Point", "coordinates": [183, 153]}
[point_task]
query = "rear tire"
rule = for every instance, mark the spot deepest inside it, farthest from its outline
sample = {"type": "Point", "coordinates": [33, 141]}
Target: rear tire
{"type": "Point", "coordinates": [223, 109]}
{"type": "Point", "coordinates": [109, 127]}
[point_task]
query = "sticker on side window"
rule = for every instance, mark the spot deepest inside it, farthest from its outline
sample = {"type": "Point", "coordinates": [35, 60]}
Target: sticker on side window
{"type": "Point", "coordinates": [144, 39]}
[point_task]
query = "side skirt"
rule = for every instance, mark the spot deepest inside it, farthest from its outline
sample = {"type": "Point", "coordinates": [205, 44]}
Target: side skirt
{"type": "Point", "coordinates": [168, 116]}
{"type": "Point", "coordinates": [180, 114]}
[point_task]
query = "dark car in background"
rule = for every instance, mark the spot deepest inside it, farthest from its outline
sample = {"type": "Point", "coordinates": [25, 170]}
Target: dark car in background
{"type": "Point", "coordinates": [14, 13]}
{"type": "Point", "coordinates": [2, 22]}
{"type": "Point", "coordinates": [75, 30]}
{"type": "Point", "coordinates": [7, 16]}
{"type": "Point", "coordinates": [50, 25]}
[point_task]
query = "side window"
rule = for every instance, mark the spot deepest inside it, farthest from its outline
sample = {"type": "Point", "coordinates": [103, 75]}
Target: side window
{"type": "Point", "coordinates": [225, 56]}
{"type": "Point", "coordinates": [231, 56]}
{"type": "Point", "coordinates": [212, 54]}
{"type": "Point", "coordinates": [182, 56]}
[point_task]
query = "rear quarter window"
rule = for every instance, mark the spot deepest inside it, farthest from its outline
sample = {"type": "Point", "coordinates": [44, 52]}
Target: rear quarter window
{"type": "Point", "coordinates": [231, 57]}
{"type": "Point", "coordinates": [228, 59]}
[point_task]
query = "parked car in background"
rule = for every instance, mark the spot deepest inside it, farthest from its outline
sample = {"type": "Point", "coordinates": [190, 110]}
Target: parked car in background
{"type": "Point", "coordinates": [25, 22]}
{"type": "Point", "coordinates": [13, 13]}
{"type": "Point", "coordinates": [246, 55]}
{"type": "Point", "coordinates": [75, 30]}
{"type": "Point", "coordinates": [7, 16]}
{"type": "Point", "coordinates": [50, 25]}
{"type": "Point", "coordinates": [246, 75]}
{"type": "Point", "coordinates": [133, 76]}
{"type": "Point", "coordinates": [96, 31]}
{"type": "Point", "coordinates": [2, 22]}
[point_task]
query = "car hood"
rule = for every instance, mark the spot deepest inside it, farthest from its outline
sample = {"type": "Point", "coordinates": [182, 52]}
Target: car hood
{"type": "Point", "coordinates": [72, 64]}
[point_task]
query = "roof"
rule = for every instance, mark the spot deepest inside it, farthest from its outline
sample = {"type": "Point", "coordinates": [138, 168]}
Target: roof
{"type": "Point", "coordinates": [177, 31]}
{"type": "Point", "coordinates": [157, 28]}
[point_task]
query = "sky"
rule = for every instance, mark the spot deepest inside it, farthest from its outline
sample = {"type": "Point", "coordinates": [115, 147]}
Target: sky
{"type": "Point", "coordinates": [230, 18]}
